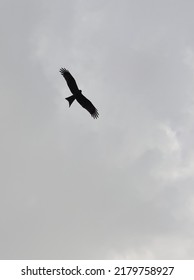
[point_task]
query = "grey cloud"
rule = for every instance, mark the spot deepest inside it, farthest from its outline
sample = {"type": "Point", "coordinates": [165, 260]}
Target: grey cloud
{"type": "Point", "coordinates": [118, 187]}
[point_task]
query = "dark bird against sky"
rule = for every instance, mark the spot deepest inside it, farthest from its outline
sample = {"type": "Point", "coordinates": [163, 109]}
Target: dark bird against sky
{"type": "Point", "coordinates": [77, 94]}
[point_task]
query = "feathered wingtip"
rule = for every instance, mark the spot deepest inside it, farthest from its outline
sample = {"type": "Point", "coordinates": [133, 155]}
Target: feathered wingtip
{"type": "Point", "coordinates": [95, 115]}
{"type": "Point", "coordinates": [63, 70]}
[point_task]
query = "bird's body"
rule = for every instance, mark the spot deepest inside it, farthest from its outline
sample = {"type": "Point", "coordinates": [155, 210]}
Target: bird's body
{"type": "Point", "coordinates": [77, 94]}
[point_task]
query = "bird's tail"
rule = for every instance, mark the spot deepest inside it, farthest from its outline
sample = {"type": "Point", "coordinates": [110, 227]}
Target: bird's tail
{"type": "Point", "coordinates": [70, 99]}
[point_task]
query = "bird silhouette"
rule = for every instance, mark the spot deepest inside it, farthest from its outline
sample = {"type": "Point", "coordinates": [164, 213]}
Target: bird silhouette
{"type": "Point", "coordinates": [77, 94]}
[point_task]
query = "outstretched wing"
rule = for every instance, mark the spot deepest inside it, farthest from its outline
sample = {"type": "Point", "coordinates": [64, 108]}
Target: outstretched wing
{"type": "Point", "coordinates": [87, 104]}
{"type": "Point", "coordinates": [70, 80]}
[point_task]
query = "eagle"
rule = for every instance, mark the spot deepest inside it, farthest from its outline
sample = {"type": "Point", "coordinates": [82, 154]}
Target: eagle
{"type": "Point", "coordinates": [77, 94]}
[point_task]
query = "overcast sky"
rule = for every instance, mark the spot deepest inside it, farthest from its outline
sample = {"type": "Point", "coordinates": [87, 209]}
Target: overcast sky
{"type": "Point", "coordinates": [121, 186]}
